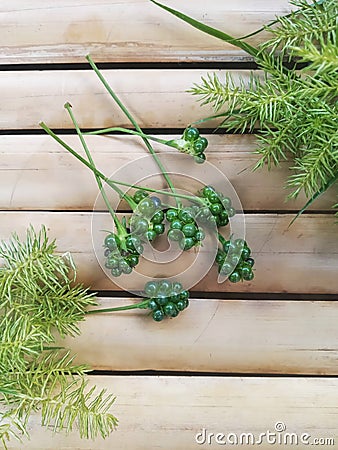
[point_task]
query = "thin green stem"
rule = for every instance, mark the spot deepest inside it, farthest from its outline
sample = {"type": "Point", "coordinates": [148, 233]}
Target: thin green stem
{"type": "Point", "coordinates": [114, 182]}
{"type": "Point", "coordinates": [125, 130]}
{"type": "Point", "coordinates": [133, 121]}
{"type": "Point", "coordinates": [140, 305]}
{"type": "Point", "coordinates": [118, 225]}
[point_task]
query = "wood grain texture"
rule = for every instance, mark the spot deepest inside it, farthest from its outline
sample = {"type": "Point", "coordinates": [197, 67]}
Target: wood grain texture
{"type": "Point", "coordinates": [228, 336]}
{"type": "Point", "coordinates": [29, 162]}
{"type": "Point", "coordinates": [125, 30]}
{"type": "Point", "coordinates": [156, 98]}
{"type": "Point", "coordinates": [168, 412]}
{"type": "Point", "coordinates": [299, 259]}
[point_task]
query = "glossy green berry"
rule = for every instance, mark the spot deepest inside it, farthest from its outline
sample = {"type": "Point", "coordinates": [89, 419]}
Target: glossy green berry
{"type": "Point", "coordinates": [246, 271]}
{"type": "Point", "coordinates": [152, 304]}
{"type": "Point", "coordinates": [200, 235]}
{"type": "Point", "coordinates": [157, 201]}
{"type": "Point", "coordinates": [226, 246]}
{"type": "Point", "coordinates": [246, 252]}
{"type": "Point", "coordinates": [162, 300]}
{"type": "Point", "coordinates": [164, 288]}
{"type": "Point", "coordinates": [169, 309]}
{"type": "Point", "coordinates": [184, 295]}
{"type": "Point", "coordinates": [176, 225]}
{"type": "Point", "coordinates": [186, 215]}
{"type": "Point", "coordinates": [146, 207]}
{"type": "Point", "coordinates": [174, 235]}
{"type": "Point", "coordinates": [132, 242]}
{"type": "Point", "coordinates": [235, 277]}
{"type": "Point", "coordinates": [139, 195]}
{"type": "Point", "coordinates": [132, 260]}
{"type": "Point", "coordinates": [158, 315]}
{"type": "Point", "coordinates": [180, 305]}
{"type": "Point", "coordinates": [226, 202]}
{"type": "Point", "coordinates": [112, 241]}
{"type": "Point", "coordinates": [140, 225]}
{"type": "Point", "coordinates": [216, 208]}
{"type": "Point", "coordinates": [189, 230]}
{"type": "Point", "coordinates": [224, 219]}
{"type": "Point", "coordinates": [250, 261]}
{"type": "Point", "coordinates": [231, 212]}
{"type": "Point", "coordinates": [187, 243]}
{"type": "Point", "coordinates": [112, 262]}
{"type": "Point", "coordinates": [186, 303]}
{"type": "Point", "coordinates": [200, 145]}
{"type": "Point", "coordinates": [150, 289]}
{"type": "Point", "coordinates": [158, 217]}
{"type": "Point", "coordinates": [191, 134]}
{"type": "Point", "coordinates": [177, 287]}
{"type": "Point", "coordinates": [248, 276]}
{"type": "Point", "coordinates": [171, 215]}
{"type": "Point", "coordinates": [175, 313]}
{"type": "Point", "coordinates": [159, 228]}
{"type": "Point", "coordinates": [116, 272]}
{"type": "Point", "coordinates": [151, 235]}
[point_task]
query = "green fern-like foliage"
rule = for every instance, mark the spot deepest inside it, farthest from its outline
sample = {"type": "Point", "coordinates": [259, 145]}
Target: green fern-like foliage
{"type": "Point", "coordinates": [293, 111]}
{"type": "Point", "coordinates": [38, 300]}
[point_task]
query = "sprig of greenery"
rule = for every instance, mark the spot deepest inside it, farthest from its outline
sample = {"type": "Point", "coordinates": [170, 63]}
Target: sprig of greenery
{"type": "Point", "coordinates": [38, 299]}
{"type": "Point", "coordinates": [293, 111]}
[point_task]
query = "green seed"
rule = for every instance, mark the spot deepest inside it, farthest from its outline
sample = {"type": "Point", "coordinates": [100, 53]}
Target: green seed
{"type": "Point", "coordinates": [189, 230]}
{"type": "Point", "coordinates": [235, 277]}
{"type": "Point", "coordinates": [171, 215]}
{"type": "Point", "coordinates": [191, 134]}
{"type": "Point", "coordinates": [158, 315]}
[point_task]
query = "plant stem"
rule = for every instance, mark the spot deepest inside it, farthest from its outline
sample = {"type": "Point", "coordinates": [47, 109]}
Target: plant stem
{"type": "Point", "coordinates": [141, 305]}
{"type": "Point", "coordinates": [126, 130]}
{"type": "Point", "coordinates": [112, 183]}
{"type": "Point", "coordinates": [133, 121]}
{"type": "Point", "coordinates": [119, 227]}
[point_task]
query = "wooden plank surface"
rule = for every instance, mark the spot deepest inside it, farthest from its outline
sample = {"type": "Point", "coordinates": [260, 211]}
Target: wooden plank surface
{"type": "Point", "coordinates": [125, 30]}
{"type": "Point", "coordinates": [229, 336]}
{"type": "Point", "coordinates": [299, 259]}
{"type": "Point", "coordinates": [168, 412]}
{"type": "Point", "coordinates": [28, 162]}
{"type": "Point", "coordinates": [156, 98]}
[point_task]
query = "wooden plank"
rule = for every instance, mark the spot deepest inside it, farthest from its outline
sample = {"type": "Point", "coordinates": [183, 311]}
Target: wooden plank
{"type": "Point", "coordinates": [229, 336]}
{"type": "Point", "coordinates": [156, 411]}
{"type": "Point", "coordinates": [65, 31]}
{"type": "Point", "coordinates": [156, 98]}
{"type": "Point", "coordinates": [299, 259]}
{"type": "Point", "coordinates": [29, 162]}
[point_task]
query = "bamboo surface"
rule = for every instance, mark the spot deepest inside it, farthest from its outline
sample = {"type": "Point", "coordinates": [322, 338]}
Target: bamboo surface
{"type": "Point", "coordinates": [252, 355]}
{"type": "Point", "coordinates": [297, 259]}
{"type": "Point", "coordinates": [161, 412]}
{"type": "Point", "coordinates": [27, 162]}
{"type": "Point", "coordinates": [124, 30]}
{"type": "Point", "coordinates": [212, 335]}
